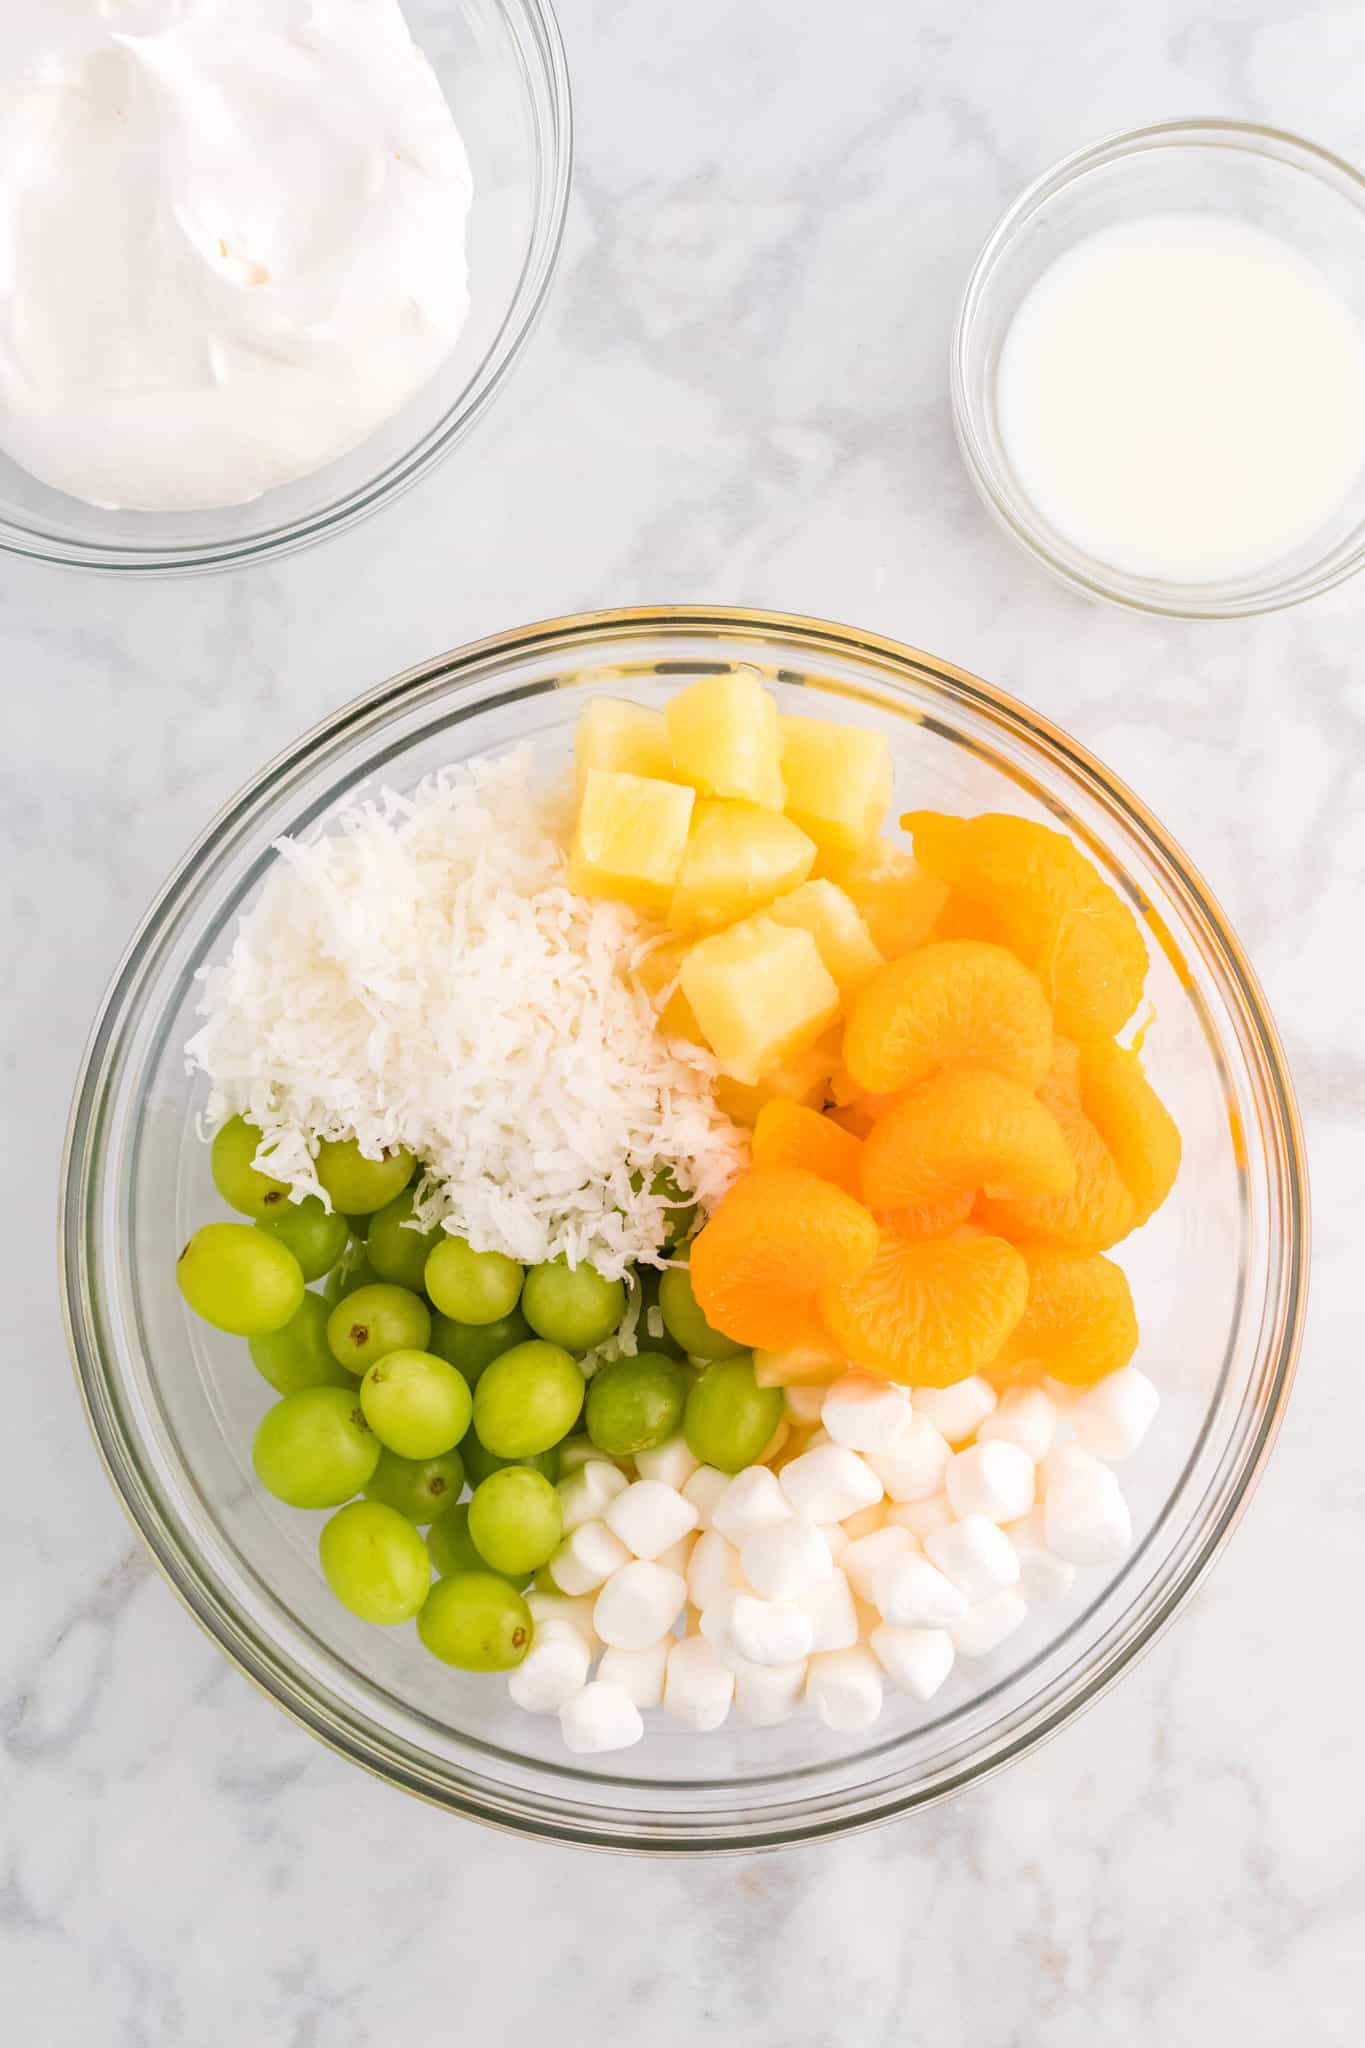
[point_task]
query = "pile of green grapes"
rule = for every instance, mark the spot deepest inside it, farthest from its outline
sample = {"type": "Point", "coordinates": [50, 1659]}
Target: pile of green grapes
{"type": "Point", "coordinates": [425, 1368]}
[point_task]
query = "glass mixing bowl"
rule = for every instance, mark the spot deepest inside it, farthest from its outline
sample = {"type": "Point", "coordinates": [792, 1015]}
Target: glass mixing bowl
{"type": "Point", "coordinates": [1218, 1276]}
{"type": "Point", "coordinates": [501, 66]}
{"type": "Point", "coordinates": [1307, 198]}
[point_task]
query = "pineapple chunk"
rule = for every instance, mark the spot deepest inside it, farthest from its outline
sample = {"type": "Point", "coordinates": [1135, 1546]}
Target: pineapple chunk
{"type": "Point", "coordinates": [626, 738]}
{"type": "Point", "coordinates": [814, 1362]}
{"type": "Point", "coordinates": [654, 973]}
{"type": "Point", "coordinates": [632, 832]}
{"type": "Point", "coordinates": [761, 994]}
{"type": "Point", "coordinates": [837, 927]}
{"type": "Point", "coordinates": [738, 858]}
{"type": "Point", "coordinates": [725, 739]}
{"type": "Point", "coordinates": [900, 903]}
{"type": "Point", "coordinates": [838, 781]}
{"type": "Point", "coordinates": [803, 1079]}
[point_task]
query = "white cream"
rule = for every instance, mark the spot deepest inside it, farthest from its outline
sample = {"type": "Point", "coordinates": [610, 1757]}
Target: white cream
{"type": "Point", "coordinates": [1183, 397]}
{"type": "Point", "coordinates": [232, 240]}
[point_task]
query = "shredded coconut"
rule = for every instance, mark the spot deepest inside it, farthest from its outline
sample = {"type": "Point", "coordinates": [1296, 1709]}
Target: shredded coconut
{"type": "Point", "coordinates": [417, 973]}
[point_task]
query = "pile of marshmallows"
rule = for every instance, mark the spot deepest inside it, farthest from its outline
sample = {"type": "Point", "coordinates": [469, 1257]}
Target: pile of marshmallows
{"type": "Point", "coordinates": [902, 1536]}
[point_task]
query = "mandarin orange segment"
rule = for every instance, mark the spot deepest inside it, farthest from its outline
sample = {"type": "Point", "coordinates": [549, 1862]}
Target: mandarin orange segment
{"type": "Point", "coordinates": [1079, 1323]}
{"type": "Point", "coordinates": [1050, 905]}
{"type": "Point", "coordinates": [1099, 1210]}
{"type": "Point", "coordinates": [789, 1134]}
{"type": "Point", "coordinates": [1133, 1122]}
{"type": "Point", "coordinates": [960, 918]}
{"type": "Point", "coordinates": [963, 1129]}
{"type": "Point", "coordinates": [953, 1002]}
{"type": "Point", "coordinates": [777, 1237]}
{"type": "Point", "coordinates": [933, 1219]}
{"type": "Point", "coordinates": [928, 1312]}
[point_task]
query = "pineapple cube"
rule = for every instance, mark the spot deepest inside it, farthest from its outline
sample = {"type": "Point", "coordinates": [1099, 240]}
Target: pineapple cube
{"type": "Point", "coordinates": [738, 858]}
{"type": "Point", "coordinates": [813, 1362]}
{"type": "Point", "coordinates": [900, 903]}
{"type": "Point", "coordinates": [726, 740]}
{"type": "Point", "coordinates": [654, 973]}
{"type": "Point", "coordinates": [761, 994]}
{"type": "Point", "coordinates": [836, 925]}
{"type": "Point", "coordinates": [804, 1079]}
{"type": "Point", "coordinates": [627, 738]}
{"type": "Point", "coordinates": [838, 781]}
{"type": "Point", "coordinates": [632, 832]}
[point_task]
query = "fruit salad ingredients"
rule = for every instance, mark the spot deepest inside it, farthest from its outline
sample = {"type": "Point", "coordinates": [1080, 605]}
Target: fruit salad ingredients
{"type": "Point", "coordinates": [726, 739]}
{"type": "Point", "coordinates": [630, 839]}
{"type": "Point", "coordinates": [298, 1355]}
{"type": "Point", "coordinates": [760, 993]}
{"type": "Point", "coordinates": [314, 1449]}
{"type": "Point", "coordinates": [684, 1320]}
{"type": "Point", "coordinates": [527, 1400]}
{"type": "Point", "coordinates": [778, 1237]}
{"type": "Point", "coordinates": [238, 1180]}
{"type": "Point", "coordinates": [375, 1562]}
{"type": "Point", "coordinates": [423, 1489]}
{"type": "Point", "coordinates": [575, 1307]}
{"type": "Point", "coordinates": [397, 1247]}
{"type": "Point", "coordinates": [636, 1404]}
{"type": "Point", "coordinates": [515, 1520]}
{"type": "Point", "coordinates": [416, 1404]}
{"type": "Point", "coordinates": [240, 1279]}
{"type": "Point", "coordinates": [950, 1002]}
{"type": "Point", "coordinates": [789, 1134]}
{"type": "Point", "coordinates": [370, 1322]}
{"type": "Point", "coordinates": [469, 1286]}
{"type": "Point", "coordinates": [838, 782]}
{"type": "Point", "coordinates": [930, 1311]}
{"type": "Point", "coordinates": [476, 1621]}
{"type": "Point", "coordinates": [963, 1129]}
{"type": "Point", "coordinates": [315, 1236]}
{"type": "Point", "coordinates": [1078, 1324]}
{"type": "Point", "coordinates": [729, 1419]}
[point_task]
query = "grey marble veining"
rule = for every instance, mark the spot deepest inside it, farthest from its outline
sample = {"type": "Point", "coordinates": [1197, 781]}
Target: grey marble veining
{"type": "Point", "coordinates": [738, 395]}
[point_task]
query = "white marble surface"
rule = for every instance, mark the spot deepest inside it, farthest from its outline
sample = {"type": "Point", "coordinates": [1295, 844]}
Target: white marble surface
{"type": "Point", "coordinates": [738, 395]}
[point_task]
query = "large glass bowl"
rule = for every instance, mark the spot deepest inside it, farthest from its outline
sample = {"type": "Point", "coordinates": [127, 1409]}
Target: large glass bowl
{"type": "Point", "coordinates": [1219, 1276]}
{"type": "Point", "coordinates": [501, 66]}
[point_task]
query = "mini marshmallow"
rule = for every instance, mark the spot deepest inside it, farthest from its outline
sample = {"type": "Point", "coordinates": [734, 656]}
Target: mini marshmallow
{"type": "Point", "coordinates": [913, 1468]}
{"type": "Point", "coordinates": [650, 1517]}
{"type": "Point", "coordinates": [704, 1489]}
{"type": "Point", "coordinates": [1112, 1417]}
{"type": "Point", "coordinates": [866, 1522]}
{"type": "Point", "coordinates": [910, 1592]}
{"type": "Point", "coordinates": [802, 1405]}
{"type": "Point", "coordinates": [956, 1412]}
{"type": "Point", "coordinates": [768, 1694]}
{"type": "Point", "coordinates": [554, 1668]}
{"type": "Point", "coordinates": [1025, 1417]}
{"type": "Point", "coordinates": [639, 1673]}
{"type": "Point", "coordinates": [833, 1617]}
{"type": "Point", "coordinates": [828, 1483]}
{"type": "Point", "coordinates": [974, 1554]}
{"type": "Point", "coordinates": [713, 1569]}
{"type": "Point", "coordinates": [754, 1499]}
{"type": "Point", "coordinates": [915, 1659]}
{"type": "Point", "coordinates": [550, 1610]}
{"type": "Point", "coordinates": [769, 1631]}
{"type": "Point", "coordinates": [785, 1561]}
{"type": "Point", "coordinates": [698, 1688]}
{"type": "Point", "coordinates": [587, 1558]}
{"type": "Point", "coordinates": [1042, 1577]}
{"type": "Point", "coordinates": [590, 1488]}
{"type": "Point", "coordinates": [990, 1479]}
{"type": "Point", "coordinates": [864, 1560]}
{"type": "Point", "coordinates": [845, 1689]}
{"type": "Point", "coordinates": [984, 1627]}
{"type": "Point", "coordinates": [1085, 1516]}
{"type": "Point", "coordinates": [866, 1414]}
{"type": "Point", "coordinates": [601, 1717]}
{"type": "Point", "coordinates": [672, 1463]}
{"type": "Point", "coordinates": [836, 1536]}
{"type": "Point", "coordinates": [920, 1516]}
{"type": "Point", "coordinates": [638, 1604]}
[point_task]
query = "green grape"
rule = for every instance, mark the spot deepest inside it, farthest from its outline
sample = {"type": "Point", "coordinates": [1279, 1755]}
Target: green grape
{"type": "Point", "coordinates": [476, 1621]}
{"type": "Point", "coordinates": [314, 1449]}
{"type": "Point", "coordinates": [316, 1238]}
{"type": "Point", "coordinates": [729, 1418]}
{"type": "Point", "coordinates": [375, 1562]}
{"type": "Point", "coordinates": [351, 1272]}
{"type": "Point", "coordinates": [479, 1461]}
{"type": "Point", "coordinates": [685, 1322]}
{"type": "Point", "coordinates": [359, 1227]}
{"type": "Point", "coordinates": [527, 1400]}
{"type": "Point", "coordinates": [367, 1325]}
{"type": "Point", "coordinates": [572, 1305]}
{"type": "Point", "coordinates": [469, 1347]}
{"type": "Point", "coordinates": [450, 1545]}
{"type": "Point", "coordinates": [647, 1279]}
{"type": "Point", "coordinates": [636, 1403]}
{"type": "Point", "coordinates": [416, 1404]}
{"type": "Point", "coordinates": [239, 1279]}
{"type": "Point", "coordinates": [357, 1185]}
{"type": "Point", "coordinates": [515, 1520]}
{"type": "Point", "coordinates": [423, 1489]}
{"type": "Point", "coordinates": [299, 1354]}
{"type": "Point", "coordinates": [473, 1287]}
{"type": "Point", "coordinates": [239, 1183]}
{"type": "Point", "coordinates": [397, 1251]}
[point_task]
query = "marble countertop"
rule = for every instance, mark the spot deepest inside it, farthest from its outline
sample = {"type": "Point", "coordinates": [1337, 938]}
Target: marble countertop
{"type": "Point", "coordinates": [738, 395]}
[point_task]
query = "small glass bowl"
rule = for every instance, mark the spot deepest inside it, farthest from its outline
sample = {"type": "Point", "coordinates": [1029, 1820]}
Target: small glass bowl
{"type": "Point", "coordinates": [1308, 198]}
{"type": "Point", "coordinates": [1219, 1274]}
{"type": "Point", "coordinates": [501, 65]}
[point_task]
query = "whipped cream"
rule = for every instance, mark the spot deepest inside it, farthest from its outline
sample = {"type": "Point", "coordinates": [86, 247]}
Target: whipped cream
{"type": "Point", "coordinates": [232, 240]}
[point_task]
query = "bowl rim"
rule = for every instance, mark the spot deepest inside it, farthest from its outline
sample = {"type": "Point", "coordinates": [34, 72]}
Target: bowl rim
{"type": "Point", "coordinates": [483, 1800]}
{"type": "Point", "coordinates": [503, 353]}
{"type": "Point", "coordinates": [1246, 597]}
